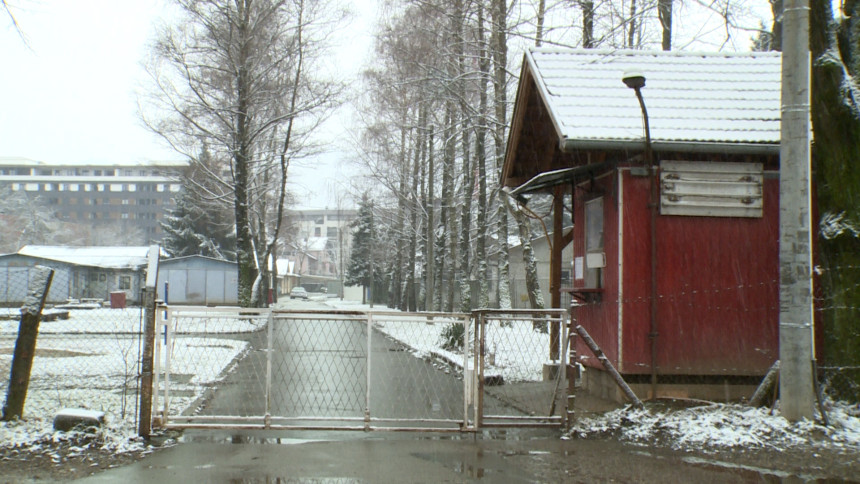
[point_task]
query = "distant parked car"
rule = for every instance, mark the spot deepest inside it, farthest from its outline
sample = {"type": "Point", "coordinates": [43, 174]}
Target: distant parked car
{"type": "Point", "coordinates": [298, 293]}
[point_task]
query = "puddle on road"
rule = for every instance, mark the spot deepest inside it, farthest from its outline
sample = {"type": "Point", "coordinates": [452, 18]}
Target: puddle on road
{"type": "Point", "coordinates": [756, 473]}
{"type": "Point", "coordinates": [243, 439]}
{"type": "Point", "coordinates": [459, 463]}
{"type": "Point", "coordinates": [516, 435]}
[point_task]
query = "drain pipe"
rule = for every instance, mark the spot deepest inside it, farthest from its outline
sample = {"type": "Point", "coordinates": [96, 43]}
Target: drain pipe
{"type": "Point", "coordinates": [636, 81]}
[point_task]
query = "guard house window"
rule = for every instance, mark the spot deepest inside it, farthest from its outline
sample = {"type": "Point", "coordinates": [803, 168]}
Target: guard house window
{"type": "Point", "coordinates": [124, 283]}
{"type": "Point", "coordinates": [595, 259]}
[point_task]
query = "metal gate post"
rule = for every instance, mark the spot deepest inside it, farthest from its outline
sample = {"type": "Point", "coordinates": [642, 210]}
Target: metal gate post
{"type": "Point", "coordinates": [562, 367]}
{"type": "Point", "coordinates": [570, 409]}
{"type": "Point", "coordinates": [267, 416]}
{"type": "Point", "coordinates": [369, 358]}
{"type": "Point", "coordinates": [168, 352]}
{"type": "Point", "coordinates": [480, 338]}
{"type": "Point", "coordinates": [157, 365]}
{"type": "Point", "coordinates": [468, 370]}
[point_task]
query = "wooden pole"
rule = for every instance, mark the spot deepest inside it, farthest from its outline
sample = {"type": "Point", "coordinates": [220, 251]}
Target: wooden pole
{"type": "Point", "coordinates": [608, 366]}
{"type": "Point", "coordinates": [766, 386]}
{"type": "Point", "coordinates": [144, 424]}
{"type": "Point", "coordinates": [25, 345]}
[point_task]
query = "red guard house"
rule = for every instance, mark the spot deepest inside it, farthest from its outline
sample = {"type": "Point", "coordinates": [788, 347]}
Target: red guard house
{"type": "Point", "coordinates": [676, 226]}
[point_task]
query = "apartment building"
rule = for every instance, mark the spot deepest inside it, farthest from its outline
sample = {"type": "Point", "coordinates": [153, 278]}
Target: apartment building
{"type": "Point", "coordinates": [134, 195]}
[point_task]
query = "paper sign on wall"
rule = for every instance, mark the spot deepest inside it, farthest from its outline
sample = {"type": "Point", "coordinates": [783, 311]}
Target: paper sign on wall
{"type": "Point", "coordinates": [578, 270]}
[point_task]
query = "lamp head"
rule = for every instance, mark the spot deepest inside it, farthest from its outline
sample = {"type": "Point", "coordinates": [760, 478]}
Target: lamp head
{"type": "Point", "coordinates": [634, 79]}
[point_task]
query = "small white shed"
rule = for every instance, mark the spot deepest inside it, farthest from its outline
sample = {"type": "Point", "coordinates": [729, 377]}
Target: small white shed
{"type": "Point", "coordinates": [198, 280]}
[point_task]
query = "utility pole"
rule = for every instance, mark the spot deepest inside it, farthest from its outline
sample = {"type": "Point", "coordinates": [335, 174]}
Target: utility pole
{"type": "Point", "coordinates": [795, 241]}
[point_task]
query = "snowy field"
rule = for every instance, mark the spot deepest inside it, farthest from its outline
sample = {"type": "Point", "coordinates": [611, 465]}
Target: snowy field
{"type": "Point", "coordinates": [517, 351]}
{"type": "Point", "coordinates": [124, 321]}
{"type": "Point", "coordinates": [89, 361]}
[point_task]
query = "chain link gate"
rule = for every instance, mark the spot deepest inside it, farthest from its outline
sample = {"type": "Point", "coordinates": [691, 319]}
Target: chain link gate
{"type": "Point", "coordinates": [352, 370]}
{"type": "Point", "coordinates": [337, 370]}
{"type": "Point", "coordinates": [519, 384]}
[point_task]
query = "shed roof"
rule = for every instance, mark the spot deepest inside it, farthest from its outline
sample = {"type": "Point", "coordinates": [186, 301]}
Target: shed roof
{"type": "Point", "coordinates": [104, 257]}
{"type": "Point", "coordinates": [690, 97]}
{"type": "Point", "coordinates": [195, 257]}
{"type": "Point", "coordinates": [286, 267]}
{"type": "Point", "coordinates": [315, 244]}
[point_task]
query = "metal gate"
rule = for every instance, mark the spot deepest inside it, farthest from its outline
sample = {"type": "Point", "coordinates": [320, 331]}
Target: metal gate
{"type": "Point", "coordinates": [342, 370]}
{"type": "Point", "coordinates": [521, 381]}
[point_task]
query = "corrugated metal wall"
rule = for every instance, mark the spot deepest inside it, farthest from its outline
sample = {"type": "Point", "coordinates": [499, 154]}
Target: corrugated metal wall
{"type": "Point", "coordinates": [198, 281]}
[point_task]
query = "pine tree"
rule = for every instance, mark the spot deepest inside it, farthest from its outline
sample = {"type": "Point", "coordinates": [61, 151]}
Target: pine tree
{"type": "Point", "coordinates": [359, 271]}
{"type": "Point", "coordinates": [193, 229]}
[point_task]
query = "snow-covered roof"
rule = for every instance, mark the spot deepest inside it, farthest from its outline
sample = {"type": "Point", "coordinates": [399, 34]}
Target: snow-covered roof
{"type": "Point", "coordinates": [286, 267]}
{"type": "Point", "coordinates": [105, 257]}
{"type": "Point", "coordinates": [316, 244]}
{"type": "Point", "coordinates": [198, 257]}
{"type": "Point", "coordinates": [723, 98]}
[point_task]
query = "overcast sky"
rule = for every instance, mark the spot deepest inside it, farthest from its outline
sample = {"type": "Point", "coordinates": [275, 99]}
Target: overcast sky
{"type": "Point", "coordinates": [68, 95]}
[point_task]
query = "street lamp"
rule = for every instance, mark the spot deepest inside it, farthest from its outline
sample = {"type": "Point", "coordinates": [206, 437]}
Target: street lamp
{"type": "Point", "coordinates": [635, 80]}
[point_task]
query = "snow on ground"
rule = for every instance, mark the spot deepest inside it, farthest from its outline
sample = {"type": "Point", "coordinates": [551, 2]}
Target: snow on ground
{"type": "Point", "coordinates": [129, 320]}
{"type": "Point", "coordinates": [718, 426]}
{"type": "Point", "coordinates": [90, 361]}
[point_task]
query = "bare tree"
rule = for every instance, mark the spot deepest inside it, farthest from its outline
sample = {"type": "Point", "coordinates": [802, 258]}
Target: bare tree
{"type": "Point", "coordinates": [233, 75]}
{"type": "Point", "coordinates": [8, 9]}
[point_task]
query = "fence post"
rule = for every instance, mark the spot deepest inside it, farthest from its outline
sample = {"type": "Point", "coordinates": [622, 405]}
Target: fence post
{"type": "Point", "coordinates": [145, 421]}
{"type": "Point", "coordinates": [572, 373]}
{"type": "Point", "coordinates": [25, 345]}
{"type": "Point", "coordinates": [586, 338]}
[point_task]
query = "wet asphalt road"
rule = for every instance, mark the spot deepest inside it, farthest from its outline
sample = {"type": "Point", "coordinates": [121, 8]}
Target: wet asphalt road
{"type": "Point", "coordinates": [350, 457]}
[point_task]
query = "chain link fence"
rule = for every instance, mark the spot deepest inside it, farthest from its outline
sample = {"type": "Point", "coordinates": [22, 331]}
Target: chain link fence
{"type": "Point", "coordinates": [311, 369]}
{"type": "Point", "coordinates": [87, 353]}
{"type": "Point", "coordinates": [522, 370]}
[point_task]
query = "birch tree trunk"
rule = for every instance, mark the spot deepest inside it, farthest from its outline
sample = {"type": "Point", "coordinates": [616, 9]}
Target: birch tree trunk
{"type": "Point", "coordinates": [500, 102]}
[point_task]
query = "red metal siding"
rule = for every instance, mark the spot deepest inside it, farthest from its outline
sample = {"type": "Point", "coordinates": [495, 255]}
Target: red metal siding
{"type": "Point", "coordinates": [717, 285]}
{"type": "Point", "coordinates": [636, 282]}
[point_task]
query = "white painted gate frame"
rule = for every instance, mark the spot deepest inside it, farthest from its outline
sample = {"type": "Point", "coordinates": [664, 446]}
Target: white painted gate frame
{"type": "Point", "coordinates": [166, 321]}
